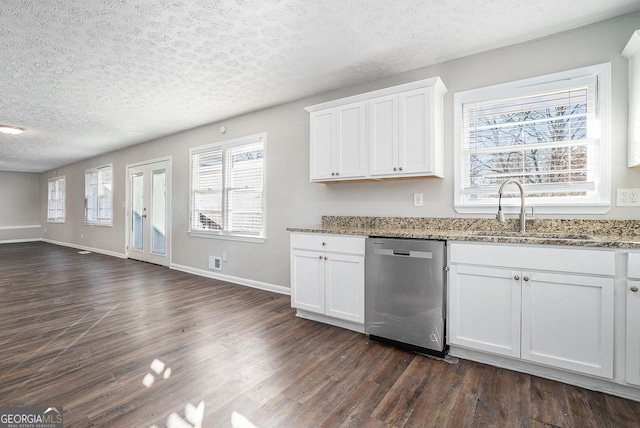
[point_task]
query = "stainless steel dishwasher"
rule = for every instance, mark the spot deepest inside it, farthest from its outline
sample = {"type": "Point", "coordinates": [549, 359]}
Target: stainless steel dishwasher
{"type": "Point", "coordinates": [405, 293]}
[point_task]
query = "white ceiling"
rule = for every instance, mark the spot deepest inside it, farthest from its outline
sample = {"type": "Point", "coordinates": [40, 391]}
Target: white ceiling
{"type": "Point", "coordinates": [89, 77]}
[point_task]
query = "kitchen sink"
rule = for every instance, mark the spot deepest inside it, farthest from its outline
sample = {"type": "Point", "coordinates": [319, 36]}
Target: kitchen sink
{"type": "Point", "coordinates": [539, 235]}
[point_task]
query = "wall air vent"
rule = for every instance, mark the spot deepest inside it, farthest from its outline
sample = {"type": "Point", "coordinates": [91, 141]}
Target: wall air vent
{"type": "Point", "coordinates": [215, 263]}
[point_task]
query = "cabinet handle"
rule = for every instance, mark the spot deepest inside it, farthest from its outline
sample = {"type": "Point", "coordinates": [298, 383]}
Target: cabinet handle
{"type": "Point", "coordinates": [395, 169]}
{"type": "Point", "coordinates": [337, 173]}
{"type": "Point", "coordinates": [634, 289]}
{"type": "Point", "coordinates": [324, 243]}
{"type": "Point", "coordinates": [333, 173]}
{"type": "Point", "coordinates": [326, 258]}
{"type": "Point", "coordinates": [320, 257]}
{"type": "Point", "coordinates": [526, 278]}
{"type": "Point", "coordinates": [400, 168]}
{"type": "Point", "coordinates": [517, 278]}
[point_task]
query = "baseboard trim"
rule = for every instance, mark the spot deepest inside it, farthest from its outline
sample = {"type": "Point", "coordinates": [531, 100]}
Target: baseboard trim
{"type": "Point", "coordinates": [82, 247]}
{"type": "Point", "coordinates": [233, 279]}
{"type": "Point", "coordinates": [17, 241]}
{"type": "Point", "coordinates": [28, 226]}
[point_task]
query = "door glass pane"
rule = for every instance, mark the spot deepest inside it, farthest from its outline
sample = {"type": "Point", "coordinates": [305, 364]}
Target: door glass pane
{"type": "Point", "coordinates": [158, 221]}
{"type": "Point", "coordinates": [136, 211]}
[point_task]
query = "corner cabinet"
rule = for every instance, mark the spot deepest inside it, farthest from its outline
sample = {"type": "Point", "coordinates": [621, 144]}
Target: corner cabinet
{"type": "Point", "coordinates": [632, 53]}
{"type": "Point", "coordinates": [390, 133]}
{"type": "Point", "coordinates": [551, 306]}
{"type": "Point", "coordinates": [327, 278]}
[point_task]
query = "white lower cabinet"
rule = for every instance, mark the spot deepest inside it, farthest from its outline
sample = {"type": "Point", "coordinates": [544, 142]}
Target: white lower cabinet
{"type": "Point", "coordinates": [327, 276]}
{"type": "Point", "coordinates": [632, 320]}
{"type": "Point", "coordinates": [484, 309]}
{"type": "Point", "coordinates": [567, 322]}
{"type": "Point", "coordinates": [559, 319]}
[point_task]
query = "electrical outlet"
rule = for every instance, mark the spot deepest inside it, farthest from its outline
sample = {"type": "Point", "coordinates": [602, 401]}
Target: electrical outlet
{"type": "Point", "coordinates": [224, 256]}
{"type": "Point", "coordinates": [628, 198]}
{"type": "Point", "coordinates": [417, 200]}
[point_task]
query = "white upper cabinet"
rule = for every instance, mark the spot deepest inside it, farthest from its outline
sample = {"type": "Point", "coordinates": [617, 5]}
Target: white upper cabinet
{"type": "Point", "coordinates": [390, 133]}
{"type": "Point", "coordinates": [632, 53]}
{"type": "Point", "coordinates": [322, 141]}
{"type": "Point", "coordinates": [402, 134]}
{"type": "Point", "coordinates": [338, 143]}
{"type": "Point", "coordinates": [383, 135]}
{"type": "Point", "coordinates": [350, 141]}
{"type": "Point", "coordinates": [416, 150]}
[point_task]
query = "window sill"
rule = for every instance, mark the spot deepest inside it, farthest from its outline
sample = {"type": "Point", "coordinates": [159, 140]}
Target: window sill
{"type": "Point", "coordinates": [241, 238]}
{"type": "Point", "coordinates": [582, 209]}
{"type": "Point", "coordinates": [98, 224]}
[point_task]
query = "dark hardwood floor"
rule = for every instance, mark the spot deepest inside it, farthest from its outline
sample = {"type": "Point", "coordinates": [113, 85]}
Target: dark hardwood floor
{"type": "Point", "coordinates": [81, 331]}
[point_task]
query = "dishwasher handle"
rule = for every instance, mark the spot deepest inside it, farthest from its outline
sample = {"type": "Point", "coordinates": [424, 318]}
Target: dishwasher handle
{"type": "Point", "coordinates": [403, 253]}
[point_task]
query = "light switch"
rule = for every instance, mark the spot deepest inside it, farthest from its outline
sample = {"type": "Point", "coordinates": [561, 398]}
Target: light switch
{"type": "Point", "coordinates": [417, 199]}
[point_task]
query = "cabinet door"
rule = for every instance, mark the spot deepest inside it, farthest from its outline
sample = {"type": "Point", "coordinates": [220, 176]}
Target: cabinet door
{"type": "Point", "coordinates": [344, 283]}
{"type": "Point", "coordinates": [383, 135]}
{"type": "Point", "coordinates": [567, 322]}
{"type": "Point", "coordinates": [350, 144]}
{"type": "Point", "coordinates": [633, 333]}
{"type": "Point", "coordinates": [307, 280]}
{"type": "Point", "coordinates": [484, 309]}
{"type": "Point", "coordinates": [322, 144]}
{"type": "Point", "coordinates": [415, 151]}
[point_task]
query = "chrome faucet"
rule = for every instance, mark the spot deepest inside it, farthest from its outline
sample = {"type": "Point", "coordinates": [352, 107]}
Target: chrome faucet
{"type": "Point", "coordinates": [500, 215]}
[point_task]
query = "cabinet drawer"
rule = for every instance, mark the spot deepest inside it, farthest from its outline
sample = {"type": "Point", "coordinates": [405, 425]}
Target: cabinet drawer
{"type": "Point", "coordinates": [571, 260]}
{"type": "Point", "coordinates": [332, 243]}
{"type": "Point", "coordinates": [633, 266]}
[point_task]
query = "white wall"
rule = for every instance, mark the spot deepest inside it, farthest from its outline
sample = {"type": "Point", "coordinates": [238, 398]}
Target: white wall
{"type": "Point", "coordinates": [20, 208]}
{"type": "Point", "coordinates": [293, 201]}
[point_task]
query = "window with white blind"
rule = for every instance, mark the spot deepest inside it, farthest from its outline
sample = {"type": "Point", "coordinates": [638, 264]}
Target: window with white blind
{"type": "Point", "coordinates": [55, 200]}
{"type": "Point", "coordinates": [98, 196]}
{"type": "Point", "coordinates": [227, 189]}
{"type": "Point", "coordinates": [551, 133]}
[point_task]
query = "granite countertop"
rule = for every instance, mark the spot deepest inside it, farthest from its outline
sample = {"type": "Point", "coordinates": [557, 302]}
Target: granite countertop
{"type": "Point", "coordinates": [583, 233]}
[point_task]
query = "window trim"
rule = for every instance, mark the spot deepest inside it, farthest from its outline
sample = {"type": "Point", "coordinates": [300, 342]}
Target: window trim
{"type": "Point", "coordinates": [561, 79]}
{"type": "Point", "coordinates": [97, 222]}
{"type": "Point", "coordinates": [225, 145]}
{"type": "Point", "coordinates": [57, 220]}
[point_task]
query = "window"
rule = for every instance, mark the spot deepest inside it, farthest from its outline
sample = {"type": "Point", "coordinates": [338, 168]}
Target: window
{"type": "Point", "coordinates": [98, 198]}
{"type": "Point", "coordinates": [549, 132]}
{"type": "Point", "coordinates": [56, 200]}
{"type": "Point", "coordinates": [227, 189]}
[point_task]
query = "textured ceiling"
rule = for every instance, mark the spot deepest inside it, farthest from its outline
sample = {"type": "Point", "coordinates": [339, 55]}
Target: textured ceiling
{"type": "Point", "coordinates": [85, 78]}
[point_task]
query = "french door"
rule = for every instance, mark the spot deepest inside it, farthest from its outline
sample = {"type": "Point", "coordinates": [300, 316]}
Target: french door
{"type": "Point", "coordinates": [148, 212]}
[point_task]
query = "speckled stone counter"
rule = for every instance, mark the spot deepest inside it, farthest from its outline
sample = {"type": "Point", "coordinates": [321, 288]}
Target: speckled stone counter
{"type": "Point", "coordinates": [583, 233]}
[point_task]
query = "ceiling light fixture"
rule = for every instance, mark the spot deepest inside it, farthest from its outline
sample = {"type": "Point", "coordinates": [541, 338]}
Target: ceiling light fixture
{"type": "Point", "coordinates": [12, 130]}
